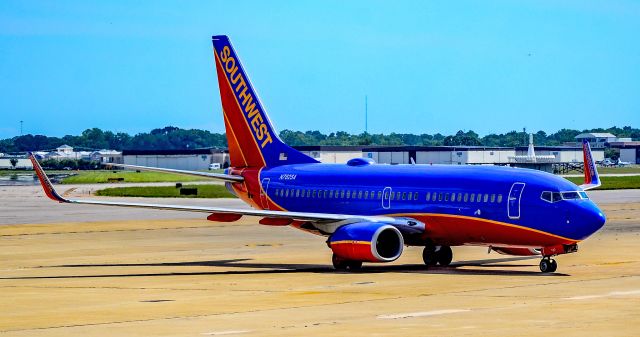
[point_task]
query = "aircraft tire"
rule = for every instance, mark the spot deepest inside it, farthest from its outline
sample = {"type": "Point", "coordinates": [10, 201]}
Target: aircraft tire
{"type": "Point", "coordinates": [444, 256]}
{"type": "Point", "coordinates": [355, 265]}
{"type": "Point", "coordinates": [547, 266]}
{"type": "Point", "coordinates": [554, 266]}
{"type": "Point", "coordinates": [339, 263]}
{"type": "Point", "coordinates": [429, 256]}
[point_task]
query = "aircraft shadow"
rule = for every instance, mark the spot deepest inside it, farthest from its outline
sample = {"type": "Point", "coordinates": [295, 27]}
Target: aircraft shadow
{"type": "Point", "coordinates": [482, 267]}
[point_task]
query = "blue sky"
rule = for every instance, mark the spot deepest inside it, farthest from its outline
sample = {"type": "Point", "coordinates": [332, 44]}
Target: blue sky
{"type": "Point", "coordinates": [427, 67]}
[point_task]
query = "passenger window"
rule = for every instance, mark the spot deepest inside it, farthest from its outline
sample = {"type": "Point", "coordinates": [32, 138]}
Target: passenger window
{"type": "Point", "coordinates": [308, 193]}
{"type": "Point", "coordinates": [286, 194]}
{"type": "Point", "coordinates": [341, 194]}
{"type": "Point", "coordinates": [473, 197]}
{"type": "Point", "coordinates": [439, 196]}
{"type": "Point", "coordinates": [348, 194]}
{"type": "Point", "coordinates": [493, 198]}
{"type": "Point", "coordinates": [415, 196]}
{"type": "Point", "coordinates": [359, 194]}
{"type": "Point", "coordinates": [499, 198]}
{"type": "Point", "coordinates": [409, 196]}
{"type": "Point", "coordinates": [459, 197]}
{"type": "Point", "coordinates": [366, 194]}
{"type": "Point", "coordinates": [466, 197]}
{"type": "Point", "coordinates": [486, 197]}
{"type": "Point", "coordinates": [315, 193]}
{"type": "Point", "coordinates": [330, 194]}
{"type": "Point", "coordinates": [404, 195]}
{"type": "Point", "coordinates": [446, 197]}
{"type": "Point", "coordinates": [428, 196]}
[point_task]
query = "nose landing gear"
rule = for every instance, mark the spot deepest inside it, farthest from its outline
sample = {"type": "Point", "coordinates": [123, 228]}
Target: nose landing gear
{"type": "Point", "coordinates": [548, 265]}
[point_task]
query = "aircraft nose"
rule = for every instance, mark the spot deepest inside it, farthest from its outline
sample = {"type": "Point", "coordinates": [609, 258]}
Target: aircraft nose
{"type": "Point", "coordinates": [593, 219]}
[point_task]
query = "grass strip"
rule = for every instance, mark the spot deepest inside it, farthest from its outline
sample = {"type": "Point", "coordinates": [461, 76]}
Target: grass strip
{"type": "Point", "coordinates": [612, 183]}
{"type": "Point", "coordinates": [204, 191]}
{"type": "Point", "coordinates": [100, 177]}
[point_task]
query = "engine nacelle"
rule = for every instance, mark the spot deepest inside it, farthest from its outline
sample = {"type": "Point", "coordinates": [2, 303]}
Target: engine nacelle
{"type": "Point", "coordinates": [516, 251]}
{"type": "Point", "coordinates": [367, 241]}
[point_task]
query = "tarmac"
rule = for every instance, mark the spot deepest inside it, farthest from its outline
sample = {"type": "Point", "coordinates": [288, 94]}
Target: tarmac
{"type": "Point", "coordinates": [76, 270]}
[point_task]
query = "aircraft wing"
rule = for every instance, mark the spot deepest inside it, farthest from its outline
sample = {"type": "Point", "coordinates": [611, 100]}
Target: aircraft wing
{"type": "Point", "coordinates": [221, 176]}
{"type": "Point", "coordinates": [591, 177]}
{"type": "Point", "coordinates": [323, 222]}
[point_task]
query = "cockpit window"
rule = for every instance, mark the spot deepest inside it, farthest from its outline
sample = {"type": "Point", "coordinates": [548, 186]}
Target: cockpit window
{"type": "Point", "coordinates": [552, 197]}
{"type": "Point", "coordinates": [570, 195]}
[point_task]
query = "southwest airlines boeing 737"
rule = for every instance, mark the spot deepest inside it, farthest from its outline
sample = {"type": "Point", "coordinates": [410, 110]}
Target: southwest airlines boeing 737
{"type": "Point", "coordinates": [369, 212]}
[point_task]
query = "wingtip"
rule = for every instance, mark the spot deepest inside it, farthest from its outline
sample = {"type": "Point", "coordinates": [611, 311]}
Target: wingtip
{"type": "Point", "coordinates": [44, 180]}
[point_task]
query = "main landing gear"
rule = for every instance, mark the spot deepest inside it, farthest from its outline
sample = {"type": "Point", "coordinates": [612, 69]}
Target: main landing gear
{"type": "Point", "coordinates": [437, 255]}
{"type": "Point", "coordinates": [548, 265]}
{"type": "Point", "coordinates": [344, 265]}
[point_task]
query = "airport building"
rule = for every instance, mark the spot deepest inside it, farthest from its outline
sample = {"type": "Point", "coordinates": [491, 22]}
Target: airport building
{"type": "Point", "coordinates": [331, 154]}
{"type": "Point", "coordinates": [451, 155]}
{"type": "Point", "coordinates": [629, 151]}
{"type": "Point", "coordinates": [546, 158]}
{"type": "Point", "coordinates": [193, 160]}
{"type": "Point", "coordinates": [597, 139]}
{"type": "Point", "coordinates": [21, 163]}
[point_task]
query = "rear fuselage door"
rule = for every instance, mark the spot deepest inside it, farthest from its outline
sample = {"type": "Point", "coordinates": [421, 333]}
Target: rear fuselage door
{"type": "Point", "coordinates": [513, 202]}
{"type": "Point", "coordinates": [263, 193]}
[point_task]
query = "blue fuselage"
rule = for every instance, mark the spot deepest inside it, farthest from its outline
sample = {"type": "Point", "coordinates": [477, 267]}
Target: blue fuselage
{"type": "Point", "coordinates": [506, 196]}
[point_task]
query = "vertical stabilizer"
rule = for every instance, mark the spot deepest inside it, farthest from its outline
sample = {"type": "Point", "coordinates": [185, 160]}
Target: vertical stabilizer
{"type": "Point", "coordinates": [253, 142]}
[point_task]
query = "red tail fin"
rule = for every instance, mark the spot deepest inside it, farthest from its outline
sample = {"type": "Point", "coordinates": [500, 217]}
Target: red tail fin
{"type": "Point", "coordinates": [252, 140]}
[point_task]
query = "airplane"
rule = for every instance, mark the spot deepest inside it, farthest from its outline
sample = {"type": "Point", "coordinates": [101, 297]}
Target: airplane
{"type": "Point", "coordinates": [621, 163]}
{"type": "Point", "coordinates": [369, 212]}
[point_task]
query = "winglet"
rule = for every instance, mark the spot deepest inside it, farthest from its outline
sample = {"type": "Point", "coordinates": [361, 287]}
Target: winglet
{"type": "Point", "coordinates": [591, 178]}
{"type": "Point", "coordinates": [44, 180]}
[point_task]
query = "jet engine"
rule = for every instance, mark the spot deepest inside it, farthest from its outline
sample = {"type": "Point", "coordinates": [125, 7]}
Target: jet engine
{"type": "Point", "coordinates": [367, 241]}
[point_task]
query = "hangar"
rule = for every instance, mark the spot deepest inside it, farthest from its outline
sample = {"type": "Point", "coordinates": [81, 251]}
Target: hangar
{"type": "Point", "coordinates": [451, 155]}
{"type": "Point", "coordinates": [330, 153]}
{"type": "Point", "coordinates": [188, 159]}
{"type": "Point", "coordinates": [548, 157]}
{"type": "Point", "coordinates": [476, 155]}
{"type": "Point", "coordinates": [629, 151]}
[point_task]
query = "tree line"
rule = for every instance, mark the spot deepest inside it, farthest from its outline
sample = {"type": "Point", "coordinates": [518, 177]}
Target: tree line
{"type": "Point", "coordinates": [171, 138]}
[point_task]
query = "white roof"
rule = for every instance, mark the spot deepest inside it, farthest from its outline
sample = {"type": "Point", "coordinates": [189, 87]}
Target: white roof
{"type": "Point", "coordinates": [65, 146]}
{"type": "Point", "coordinates": [595, 135]}
{"type": "Point", "coordinates": [106, 152]}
